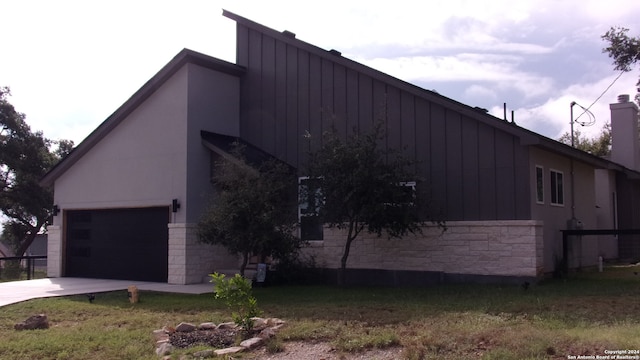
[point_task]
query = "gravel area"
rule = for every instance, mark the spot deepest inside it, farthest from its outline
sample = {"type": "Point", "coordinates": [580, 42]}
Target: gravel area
{"type": "Point", "coordinates": [324, 351]}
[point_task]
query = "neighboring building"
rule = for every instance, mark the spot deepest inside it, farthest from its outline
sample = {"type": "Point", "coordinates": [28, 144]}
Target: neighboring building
{"type": "Point", "coordinates": [131, 193]}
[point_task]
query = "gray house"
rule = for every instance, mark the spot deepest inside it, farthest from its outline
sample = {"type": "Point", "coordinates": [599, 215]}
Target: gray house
{"type": "Point", "coordinates": [131, 193]}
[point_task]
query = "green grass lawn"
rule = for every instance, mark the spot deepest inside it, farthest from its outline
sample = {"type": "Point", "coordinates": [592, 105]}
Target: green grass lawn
{"type": "Point", "coordinates": [585, 314]}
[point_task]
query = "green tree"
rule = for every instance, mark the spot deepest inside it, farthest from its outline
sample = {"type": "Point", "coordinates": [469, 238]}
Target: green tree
{"type": "Point", "coordinates": [599, 146]}
{"type": "Point", "coordinates": [253, 210]}
{"type": "Point", "coordinates": [25, 156]}
{"type": "Point", "coordinates": [362, 187]}
{"type": "Point", "coordinates": [624, 50]}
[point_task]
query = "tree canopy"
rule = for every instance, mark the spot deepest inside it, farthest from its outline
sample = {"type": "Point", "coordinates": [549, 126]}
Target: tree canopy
{"type": "Point", "coordinates": [25, 156]}
{"type": "Point", "coordinates": [253, 209]}
{"type": "Point", "coordinates": [624, 50]}
{"type": "Point", "coordinates": [363, 187]}
{"type": "Point", "coordinates": [599, 145]}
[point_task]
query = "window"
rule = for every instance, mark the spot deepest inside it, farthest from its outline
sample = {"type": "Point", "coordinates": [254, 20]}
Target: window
{"type": "Point", "coordinates": [310, 200]}
{"type": "Point", "coordinates": [539, 184]}
{"type": "Point", "coordinates": [557, 188]}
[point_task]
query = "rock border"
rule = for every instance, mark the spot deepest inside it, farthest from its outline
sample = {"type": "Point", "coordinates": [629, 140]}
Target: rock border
{"type": "Point", "coordinates": [268, 328]}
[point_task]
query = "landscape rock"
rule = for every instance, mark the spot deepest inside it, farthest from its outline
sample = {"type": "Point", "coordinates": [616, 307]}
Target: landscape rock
{"type": "Point", "coordinates": [207, 326]}
{"type": "Point", "coordinates": [227, 325]}
{"type": "Point", "coordinates": [252, 343]}
{"type": "Point", "coordinates": [39, 321]}
{"type": "Point", "coordinates": [258, 323]}
{"type": "Point", "coordinates": [267, 333]}
{"type": "Point", "coordinates": [185, 327]}
{"type": "Point", "coordinates": [204, 354]}
{"type": "Point", "coordinates": [229, 350]}
{"type": "Point", "coordinates": [164, 349]}
{"type": "Point", "coordinates": [274, 321]}
{"type": "Point", "coordinates": [160, 335]}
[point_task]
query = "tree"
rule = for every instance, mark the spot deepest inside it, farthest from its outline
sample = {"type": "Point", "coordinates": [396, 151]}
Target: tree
{"type": "Point", "coordinates": [25, 156]}
{"type": "Point", "coordinates": [624, 50]}
{"type": "Point", "coordinates": [599, 146]}
{"type": "Point", "coordinates": [253, 210]}
{"type": "Point", "coordinates": [364, 188]}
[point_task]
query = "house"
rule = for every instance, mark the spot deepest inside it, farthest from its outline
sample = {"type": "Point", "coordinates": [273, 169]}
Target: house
{"type": "Point", "coordinates": [131, 193]}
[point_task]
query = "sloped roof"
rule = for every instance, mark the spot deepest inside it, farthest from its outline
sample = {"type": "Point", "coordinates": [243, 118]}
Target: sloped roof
{"type": "Point", "coordinates": [527, 137]}
{"type": "Point", "coordinates": [185, 56]}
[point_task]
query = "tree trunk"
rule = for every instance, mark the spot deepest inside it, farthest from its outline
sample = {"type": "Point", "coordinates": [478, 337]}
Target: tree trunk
{"type": "Point", "coordinates": [28, 240]}
{"type": "Point", "coordinates": [245, 261]}
{"type": "Point", "coordinates": [342, 273]}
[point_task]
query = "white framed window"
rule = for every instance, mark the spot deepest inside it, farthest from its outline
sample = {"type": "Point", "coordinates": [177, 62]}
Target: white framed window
{"type": "Point", "coordinates": [557, 187]}
{"type": "Point", "coordinates": [309, 202]}
{"type": "Point", "coordinates": [539, 184]}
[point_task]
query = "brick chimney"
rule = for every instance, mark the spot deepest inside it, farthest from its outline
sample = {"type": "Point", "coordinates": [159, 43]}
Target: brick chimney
{"type": "Point", "coordinates": [625, 142]}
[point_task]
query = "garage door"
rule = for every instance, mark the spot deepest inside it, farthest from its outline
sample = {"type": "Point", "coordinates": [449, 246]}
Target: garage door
{"type": "Point", "coordinates": [126, 244]}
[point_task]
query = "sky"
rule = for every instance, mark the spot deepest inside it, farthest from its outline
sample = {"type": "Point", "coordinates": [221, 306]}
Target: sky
{"type": "Point", "coordinates": [70, 64]}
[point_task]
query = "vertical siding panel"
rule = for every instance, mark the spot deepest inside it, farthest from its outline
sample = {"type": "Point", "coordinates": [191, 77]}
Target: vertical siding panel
{"type": "Point", "coordinates": [408, 125]}
{"type": "Point", "coordinates": [366, 104]}
{"type": "Point", "coordinates": [505, 176]}
{"type": "Point", "coordinates": [304, 108]}
{"type": "Point", "coordinates": [242, 47]}
{"type": "Point", "coordinates": [280, 114]}
{"type": "Point", "coordinates": [470, 170]}
{"type": "Point", "coordinates": [454, 165]}
{"type": "Point", "coordinates": [252, 84]}
{"type": "Point", "coordinates": [340, 98]}
{"type": "Point", "coordinates": [326, 95]}
{"type": "Point", "coordinates": [487, 174]}
{"type": "Point", "coordinates": [352, 100]}
{"type": "Point", "coordinates": [315, 101]}
{"type": "Point", "coordinates": [394, 124]}
{"type": "Point", "coordinates": [423, 140]}
{"type": "Point", "coordinates": [293, 98]}
{"type": "Point", "coordinates": [267, 112]}
{"type": "Point", "coordinates": [438, 175]}
{"type": "Point", "coordinates": [522, 198]}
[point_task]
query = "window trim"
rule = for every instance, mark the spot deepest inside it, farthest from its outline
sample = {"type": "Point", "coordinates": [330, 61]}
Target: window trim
{"type": "Point", "coordinates": [539, 184]}
{"type": "Point", "coordinates": [559, 195]}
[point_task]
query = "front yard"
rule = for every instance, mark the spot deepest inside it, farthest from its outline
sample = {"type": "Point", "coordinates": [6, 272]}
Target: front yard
{"type": "Point", "coordinates": [587, 314]}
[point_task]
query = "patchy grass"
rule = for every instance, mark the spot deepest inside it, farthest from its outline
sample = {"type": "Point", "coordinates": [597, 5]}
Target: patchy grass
{"type": "Point", "coordinates": [583, 315]}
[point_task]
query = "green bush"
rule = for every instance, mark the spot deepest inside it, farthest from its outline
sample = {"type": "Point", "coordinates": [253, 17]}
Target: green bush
{"type": "Point", "coordinates": [236, 293]}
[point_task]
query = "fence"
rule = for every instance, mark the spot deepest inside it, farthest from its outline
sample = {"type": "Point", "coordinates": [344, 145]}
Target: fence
{"type": "Point", "coordinates": [30, 264]}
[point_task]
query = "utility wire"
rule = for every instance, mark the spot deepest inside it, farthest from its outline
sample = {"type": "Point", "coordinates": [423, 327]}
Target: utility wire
{"type": "Point", "coordinates": [601, 95]}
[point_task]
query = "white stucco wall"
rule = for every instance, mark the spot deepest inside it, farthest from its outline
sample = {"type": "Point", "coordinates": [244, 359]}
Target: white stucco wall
{"type": "Point", "coordinates": [153, 156]}
{"type": "Point", "coordinates": [141, 162]}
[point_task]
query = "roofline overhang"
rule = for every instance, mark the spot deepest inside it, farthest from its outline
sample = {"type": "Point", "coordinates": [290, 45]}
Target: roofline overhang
{"type": "Point", "coordinates": [184, 57]}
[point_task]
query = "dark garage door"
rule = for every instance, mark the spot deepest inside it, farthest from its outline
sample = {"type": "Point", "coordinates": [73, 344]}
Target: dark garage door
{"type": "Point", "coordinates": [126, 244]}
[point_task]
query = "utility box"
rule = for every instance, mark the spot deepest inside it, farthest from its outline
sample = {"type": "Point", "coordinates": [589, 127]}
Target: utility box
{"type": "Point", "coordinates": [575, 224]}
{"type": "Point", "coordinates": [133, 294]}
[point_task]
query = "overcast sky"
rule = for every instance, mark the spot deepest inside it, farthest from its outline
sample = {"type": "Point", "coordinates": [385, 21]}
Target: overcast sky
{"type": "Point", "coordinates": [70, 64]}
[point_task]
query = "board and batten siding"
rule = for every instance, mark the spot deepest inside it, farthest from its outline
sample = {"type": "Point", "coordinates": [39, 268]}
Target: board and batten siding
{"type": "Point", "coordinates": [473, 170]}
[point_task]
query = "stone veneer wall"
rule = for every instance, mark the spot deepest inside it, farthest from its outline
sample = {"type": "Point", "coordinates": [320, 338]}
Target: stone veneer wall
{"type": "Point", "coordinates": [495, 248]}
{"type": "Point", "coordinates": [54, 251]}
{"type": "Point", "coordinates": [191, 261]}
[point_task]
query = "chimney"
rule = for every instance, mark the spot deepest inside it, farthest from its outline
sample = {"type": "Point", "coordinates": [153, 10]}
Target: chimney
{"type": "Point", "coordinates": [625, 147]}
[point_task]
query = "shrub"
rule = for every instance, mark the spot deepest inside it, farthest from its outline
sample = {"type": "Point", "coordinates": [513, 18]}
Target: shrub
{"type": "Point", "coordinates": [236, 293]}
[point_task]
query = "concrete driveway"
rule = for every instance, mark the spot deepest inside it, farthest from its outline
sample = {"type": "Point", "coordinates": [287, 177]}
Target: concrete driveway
{"type": "Point", "coordinates": [17, 291]}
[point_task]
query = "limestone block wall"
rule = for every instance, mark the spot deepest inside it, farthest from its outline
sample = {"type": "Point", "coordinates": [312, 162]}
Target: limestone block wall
{"type": "Point", "coordinates": [191, 261]}
{"type": "Point", "coordinates": [500, 248]}
{"type": "Point", "coordinates": [54, 251]}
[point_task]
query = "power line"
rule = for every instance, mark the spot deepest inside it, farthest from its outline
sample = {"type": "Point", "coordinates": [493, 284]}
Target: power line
{"type": "Point", "coordinates": [601, 95]}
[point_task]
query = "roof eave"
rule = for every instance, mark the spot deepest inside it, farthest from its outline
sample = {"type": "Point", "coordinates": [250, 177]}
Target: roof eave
{"type": "Point", "coordinates": [184, 57]}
